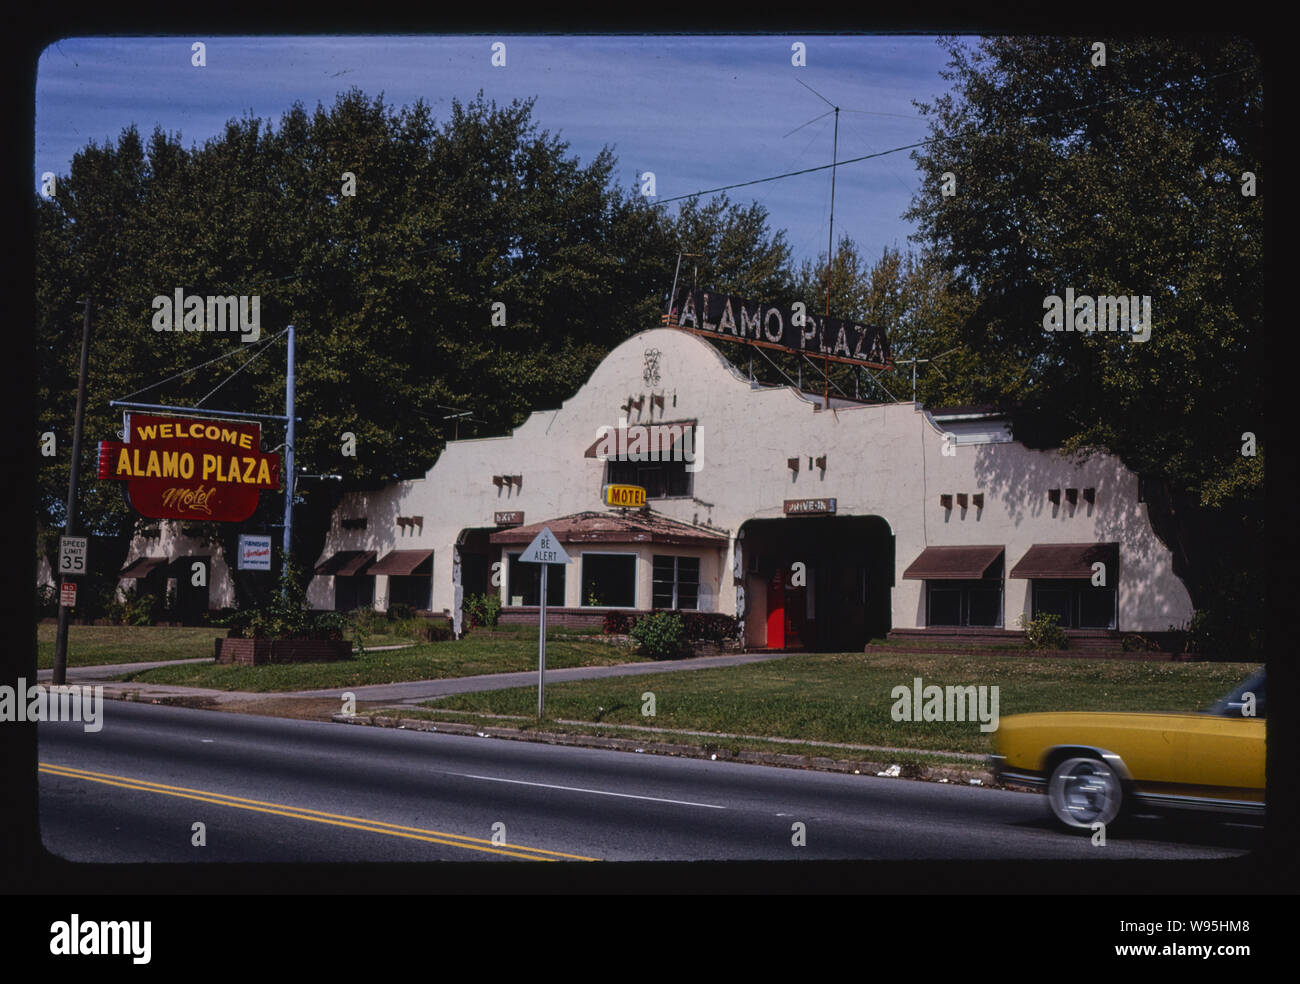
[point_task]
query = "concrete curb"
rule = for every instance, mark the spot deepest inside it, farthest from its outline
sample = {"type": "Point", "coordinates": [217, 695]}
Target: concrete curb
{"type": "Point", "coordinates": [950, 774]}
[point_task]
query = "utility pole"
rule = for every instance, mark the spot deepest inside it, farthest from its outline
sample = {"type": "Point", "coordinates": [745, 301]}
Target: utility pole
{"type": "Point", "coordinates": [830, 256]}
{"type": "Point", "coordinates": [287, 473]}
{"type": "Point", "coordinates": [61, 638]}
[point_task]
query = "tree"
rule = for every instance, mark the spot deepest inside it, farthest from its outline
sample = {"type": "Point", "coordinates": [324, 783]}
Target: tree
{"type": "Point", "coordinates": [1117, 179]}
{"type": "Point", "coordinates": [472, 263]}
{"type": "Point", "coordinates": [914, 299]}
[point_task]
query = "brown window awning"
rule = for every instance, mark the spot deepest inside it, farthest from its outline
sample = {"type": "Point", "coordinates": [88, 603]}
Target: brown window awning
{"type": "Point", "coordinates": [144, 566]}
{"type": "Point", "coordinates": [641, 440]}
{"type": "Point", "coordinates": [954, 563]}
{"type": "Point", "coordinates": [404, 563]}
{"type": "Point", "coordinates": [1067, 560]}
{"type": "Point", "coordinates": [347, 563]}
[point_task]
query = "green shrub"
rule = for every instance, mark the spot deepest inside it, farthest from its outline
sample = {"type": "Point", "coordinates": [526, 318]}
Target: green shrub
{"type": "Point", "coordinates": [1044, 632]}
{"type": "Point", "coordinates": [617, 623]}
{"type": "Point", "coordinates": [400, 612]}
{"type": "Point", "coordinates": [482, 609]}
{"type": "Point", "coordinates": [131, 608]}
{"type": "Point", "coordinates": [433, 632]}
{"type": "Point", "coordinates": [1224, 632]}
{"type": "Point", "coordinates": [286, 616]}
{"type": "Point", "coordinates": [660, 636]}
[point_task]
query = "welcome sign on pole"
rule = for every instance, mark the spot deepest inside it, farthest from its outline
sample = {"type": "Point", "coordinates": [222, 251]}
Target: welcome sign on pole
{"type": "Point", "coordinates": [191, 467]}
{"type": "Point", "coordinates": [544, 550]}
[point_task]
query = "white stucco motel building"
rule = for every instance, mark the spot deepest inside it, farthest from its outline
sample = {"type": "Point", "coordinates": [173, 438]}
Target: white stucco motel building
{"type": "Point", "coordinates": [821, 528]}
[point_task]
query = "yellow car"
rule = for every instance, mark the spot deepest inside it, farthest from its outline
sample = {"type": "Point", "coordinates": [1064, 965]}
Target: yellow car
{"type": "Point", "coordinates": [1095, 766]}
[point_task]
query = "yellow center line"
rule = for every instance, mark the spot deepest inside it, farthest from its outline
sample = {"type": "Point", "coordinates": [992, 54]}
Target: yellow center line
{"type": "Point", "coordinates": [303, 813]}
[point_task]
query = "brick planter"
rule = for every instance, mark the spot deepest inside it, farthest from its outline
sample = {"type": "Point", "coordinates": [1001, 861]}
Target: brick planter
{"type": "Point", "coordinates": [258, 652]}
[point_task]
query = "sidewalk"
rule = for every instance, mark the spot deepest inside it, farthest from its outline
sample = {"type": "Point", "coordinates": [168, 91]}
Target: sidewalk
{"type": "Point", "coordinates": [408, 692]}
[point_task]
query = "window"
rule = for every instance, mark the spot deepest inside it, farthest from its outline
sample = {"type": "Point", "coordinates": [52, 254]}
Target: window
{"type": "Point", "coordinates": [1096, 607]}
{"type": "Point", "coordinates": [945, 604]}
{"type": "Point", "coordinates": [1078, 604]}
{"type": "Point", "coordinates": [676, 582]}
{"type": "Point", "coordinates": [660, 479]}
{"type": "Point", "coordinates": [609, 580]}
{"type": "Point", "coordinates": [414, 590]}
{"type": "Point", "coordinates": [970, 603]}
{"type": "Point", "coordinates": [524, 584]}
{"type": "Point", "coordinates": [354, 592]}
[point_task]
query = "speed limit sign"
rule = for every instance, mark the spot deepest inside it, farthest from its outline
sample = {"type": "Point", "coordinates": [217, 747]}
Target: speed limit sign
{"type": "Point", "coordinates": [72, 555]}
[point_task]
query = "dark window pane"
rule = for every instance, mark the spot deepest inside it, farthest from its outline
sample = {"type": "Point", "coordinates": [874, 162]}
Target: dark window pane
{"type": "Point", "coordinates": [688, 596]}
{"type": "Point", "coordinates": [524, 581]}
{"type": "Point", "coordinates": [688, 570]}
{"type": "Point", "coordinates": [1053, 601]}
{"type": "Point", "coordinates": [663, 596]}
{"type": "Point", "coordinates": [609, 580]}
{"type": "Point", "coordinates": [414, 591]}
{"type": "Point", "coordinates": [658, 478]}
{"type": "Point", "coordinates": [1096, 608]}
{"type": "Point", "coordinates": [945, 606]}
{"type": "Point", "coordinates": [985, 607]}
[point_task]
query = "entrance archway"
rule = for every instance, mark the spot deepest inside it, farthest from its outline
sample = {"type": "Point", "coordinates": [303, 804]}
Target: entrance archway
{"type": "Point", "coordinates": [818, 583]}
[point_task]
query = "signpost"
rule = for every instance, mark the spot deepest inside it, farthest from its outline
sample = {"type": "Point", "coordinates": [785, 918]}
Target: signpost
{"type": "Point", "coordinates": [544, 550]}
{"type": "Point", "coordinates": [74, 471]}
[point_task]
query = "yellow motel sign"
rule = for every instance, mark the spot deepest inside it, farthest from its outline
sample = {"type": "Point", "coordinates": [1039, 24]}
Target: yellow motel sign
{"type": "Point", "coordinates": [625, 496]}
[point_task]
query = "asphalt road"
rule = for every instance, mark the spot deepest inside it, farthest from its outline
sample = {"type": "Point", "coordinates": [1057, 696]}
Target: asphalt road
{"type": "Point", "coordinates": [271, 789]}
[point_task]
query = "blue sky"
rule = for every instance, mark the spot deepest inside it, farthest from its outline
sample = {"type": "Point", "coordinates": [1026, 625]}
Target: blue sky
{"type": "Point", "coordinates": [699, 112]}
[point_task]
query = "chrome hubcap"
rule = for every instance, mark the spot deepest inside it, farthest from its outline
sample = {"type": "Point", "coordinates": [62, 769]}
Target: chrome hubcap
{"type": "Point", "coordinates": [1083, 792]}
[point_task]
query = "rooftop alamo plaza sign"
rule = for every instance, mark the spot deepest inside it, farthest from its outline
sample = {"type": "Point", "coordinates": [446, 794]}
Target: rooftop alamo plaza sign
{"type": "Point", "coordinates": [791, 329]}
{"type": "Point", "coordinates": [190, 468]}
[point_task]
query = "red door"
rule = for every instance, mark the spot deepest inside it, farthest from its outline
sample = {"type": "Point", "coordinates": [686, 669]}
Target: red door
{"type": "Point", "coordinates": [796, 612]}
{"type": "Point", "coordinates": [786, 612]}
{"type": "Point", "coordinates": [776, 612]}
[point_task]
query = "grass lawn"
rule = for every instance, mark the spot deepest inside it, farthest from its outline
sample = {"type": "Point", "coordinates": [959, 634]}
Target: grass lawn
{"type": "Point", "coordinates": [426, 661]}
{"type": "Point", "coordinates": [95, 645]}
{"type": "Point", "coordinates": [847, 697]}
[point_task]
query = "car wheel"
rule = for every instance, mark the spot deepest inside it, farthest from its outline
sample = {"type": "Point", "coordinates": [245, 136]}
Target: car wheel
{"type": "Point", "coordinates": [1084, 791]}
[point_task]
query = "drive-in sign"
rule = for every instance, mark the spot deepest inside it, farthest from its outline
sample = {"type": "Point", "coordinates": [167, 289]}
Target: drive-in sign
{"type": "Point", "coordinates": [188, 468]}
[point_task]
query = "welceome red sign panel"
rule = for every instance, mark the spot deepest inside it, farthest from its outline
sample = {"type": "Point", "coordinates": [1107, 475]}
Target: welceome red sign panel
{"type": "Point", "coordinates": [190, 468]}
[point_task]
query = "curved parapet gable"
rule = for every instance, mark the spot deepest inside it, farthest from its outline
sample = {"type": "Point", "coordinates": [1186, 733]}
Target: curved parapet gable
{"type": "Point", "coordinates": [750, 453]}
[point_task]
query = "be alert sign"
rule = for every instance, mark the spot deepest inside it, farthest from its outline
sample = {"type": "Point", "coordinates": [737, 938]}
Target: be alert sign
{"type": "Point", "coordinates": [190, 468]}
